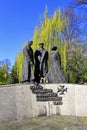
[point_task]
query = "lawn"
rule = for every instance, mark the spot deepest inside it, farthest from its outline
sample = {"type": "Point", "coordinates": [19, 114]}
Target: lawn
{"type": "Point", "coordinates": [47, 123]}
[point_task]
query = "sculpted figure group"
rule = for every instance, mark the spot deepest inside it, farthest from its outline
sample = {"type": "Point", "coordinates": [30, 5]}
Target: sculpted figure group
{"type": "Point", "coordinates": [35, 65]}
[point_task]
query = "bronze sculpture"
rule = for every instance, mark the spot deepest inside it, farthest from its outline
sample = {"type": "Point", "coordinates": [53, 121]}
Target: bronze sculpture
{"type": "Point", "coordinates": [55, 74]}
{"type": "Point", "coordinates": [27, 73]}
{"type": "Point", "coordinates": [41, 58]}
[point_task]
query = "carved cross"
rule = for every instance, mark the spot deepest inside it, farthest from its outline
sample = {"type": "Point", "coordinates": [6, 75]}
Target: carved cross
{"type": "Point", "coordinates": [62, 89]}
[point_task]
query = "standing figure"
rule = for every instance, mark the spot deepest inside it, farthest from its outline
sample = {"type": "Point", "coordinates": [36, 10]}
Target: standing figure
{"type": "Point", "coordinates": [41, 67]}
{"type": "Point", "coordinates": [55, 74]}
{"type": "Point", "coordinates": [27, 73]}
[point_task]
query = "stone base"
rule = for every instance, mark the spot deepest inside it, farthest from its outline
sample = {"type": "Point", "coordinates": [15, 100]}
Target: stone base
{"type": "Point", "coordinates": [18, 102]}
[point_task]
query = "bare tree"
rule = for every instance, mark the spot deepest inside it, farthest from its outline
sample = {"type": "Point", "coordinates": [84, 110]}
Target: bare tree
{"type": "Point", "coordinates": [71, 31]}
{"type": "Point", "coordinates": [81, 2]}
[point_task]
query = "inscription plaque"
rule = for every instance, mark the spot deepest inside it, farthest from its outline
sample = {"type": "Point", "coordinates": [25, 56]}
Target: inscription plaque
{"type": "Point", "coordinates": [43, 94]}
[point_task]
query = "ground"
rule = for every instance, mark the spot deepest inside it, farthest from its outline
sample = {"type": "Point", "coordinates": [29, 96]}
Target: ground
{"type": "Point", "coordinates": [47, 123]}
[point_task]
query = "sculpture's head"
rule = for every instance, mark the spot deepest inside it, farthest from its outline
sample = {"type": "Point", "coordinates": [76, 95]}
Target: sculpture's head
{"type": "Point", "coordinates": [30, 43]}
{"type": "Point", "coordinates": [41, 44]}
{"type": "Point", "coordinates": [54, 48]}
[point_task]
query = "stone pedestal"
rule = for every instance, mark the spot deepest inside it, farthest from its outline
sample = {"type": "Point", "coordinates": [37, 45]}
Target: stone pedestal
{"type": "Point", "coordinates": [18, 102]}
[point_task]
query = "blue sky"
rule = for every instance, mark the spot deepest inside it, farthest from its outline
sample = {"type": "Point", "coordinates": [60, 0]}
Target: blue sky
{"type": "Point", "coordinates": [18, 19]}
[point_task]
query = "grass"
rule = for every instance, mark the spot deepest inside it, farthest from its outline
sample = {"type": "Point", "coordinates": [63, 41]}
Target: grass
{"type": "Point", "coordinates": [47, 123]}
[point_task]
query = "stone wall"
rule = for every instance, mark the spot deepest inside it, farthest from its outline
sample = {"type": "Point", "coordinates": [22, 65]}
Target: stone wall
{"type": "Point", "coordinates": [18, 102]}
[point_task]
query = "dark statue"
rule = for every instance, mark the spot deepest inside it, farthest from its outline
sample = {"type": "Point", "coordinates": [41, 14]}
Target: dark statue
{"type": "Point", "coordinates": [41, 58]}
{"type": "Point", "coordinates": [55, 74]}
{"type": "Point", "coordinates": [27, 73]}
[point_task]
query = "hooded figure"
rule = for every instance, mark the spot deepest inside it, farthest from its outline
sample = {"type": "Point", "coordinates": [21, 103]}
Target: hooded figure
{"type": "Point", "coordinates": [55, 74]}
{"type": "Point", "coordinates": [27, 73]}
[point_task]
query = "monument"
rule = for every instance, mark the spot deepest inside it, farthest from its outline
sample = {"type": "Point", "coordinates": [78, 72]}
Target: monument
{"type": "Point", "coordinates": [41, 59]}
{"type": "Point", "coordinates": [23, 101]}
{"type": "Point", "coordinates": [55, 74]}
{"type": "Point", "coordinates": [28, 62]}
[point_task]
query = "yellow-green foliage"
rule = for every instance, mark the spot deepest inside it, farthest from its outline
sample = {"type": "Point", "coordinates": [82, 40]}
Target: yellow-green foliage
{"type": "Point", "coordinates": [36, 38]}
{"type": "Point", "coordinates": [49, 33]}
{"type": "Point", "coordinates": [63, 56]}
{"type": "Point", "coordinates": [18, 66]}
{"type": "Point", "coordinates": [3, 74]}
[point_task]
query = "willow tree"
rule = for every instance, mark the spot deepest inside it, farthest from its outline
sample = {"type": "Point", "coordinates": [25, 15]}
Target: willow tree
{"type": "Point", "coordinates": [57, 26]}
{"type": "Point", "coordinates": [17, 68]}
{"type": "Point", "coordinates": [49, 32]}
{"type": "Point", "coordinates": [36, 37]}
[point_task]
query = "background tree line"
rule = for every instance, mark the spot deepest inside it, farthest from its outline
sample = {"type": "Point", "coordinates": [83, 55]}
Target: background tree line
{"type": "Point", "coordinates": [64, 29]}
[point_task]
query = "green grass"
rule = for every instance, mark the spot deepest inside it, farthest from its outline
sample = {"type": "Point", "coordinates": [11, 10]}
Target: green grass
{"type": "Point", "coordinates": [47, 123]}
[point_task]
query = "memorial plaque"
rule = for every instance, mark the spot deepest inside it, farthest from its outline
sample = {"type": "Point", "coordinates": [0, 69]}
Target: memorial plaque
{"type": "Point", "coordinates": [44, 95]}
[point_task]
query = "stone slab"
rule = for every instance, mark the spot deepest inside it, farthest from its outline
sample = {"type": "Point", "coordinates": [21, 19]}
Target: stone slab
{"type": "Point", "coordinates": [18, 102]}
